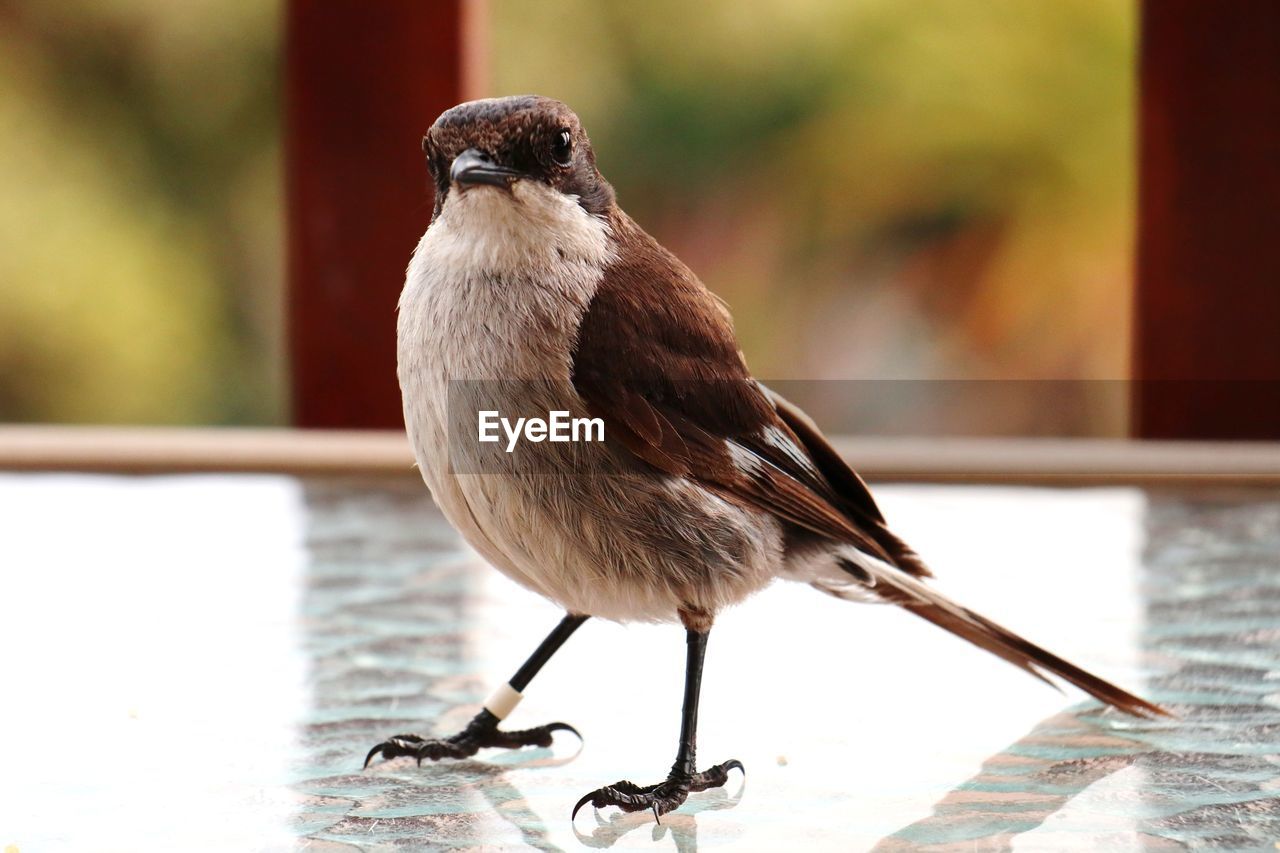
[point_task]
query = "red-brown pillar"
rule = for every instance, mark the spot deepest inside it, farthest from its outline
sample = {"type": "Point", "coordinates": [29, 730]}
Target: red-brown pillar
{"type": "Point", "coordinates": [363, 81]}
{"type": "Point", "coordinates": [1207, 312]}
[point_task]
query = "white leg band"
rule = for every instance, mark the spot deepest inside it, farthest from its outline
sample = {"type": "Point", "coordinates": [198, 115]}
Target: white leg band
{"type": "Point", "coordinates": [503, 701]}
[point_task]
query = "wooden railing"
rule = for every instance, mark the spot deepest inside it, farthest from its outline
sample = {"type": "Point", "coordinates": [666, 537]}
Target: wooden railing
{"type": "Point", "coordinates": [1207, 296]}
{"type": "Point", "coordinates": [363, 82]}
{"type": "Point", "coordinates": [1071, 462]}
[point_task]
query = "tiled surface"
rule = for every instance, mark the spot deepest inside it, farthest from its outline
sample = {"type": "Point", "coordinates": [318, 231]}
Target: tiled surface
{"type": "Point", "coordinates": [202, 662]}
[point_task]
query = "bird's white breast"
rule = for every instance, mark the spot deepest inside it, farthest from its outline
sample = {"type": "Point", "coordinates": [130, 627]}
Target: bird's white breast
{"type": "Point", "coordinates": [495, 292]}
{"type": "Point", "coordinates": [494, 296]}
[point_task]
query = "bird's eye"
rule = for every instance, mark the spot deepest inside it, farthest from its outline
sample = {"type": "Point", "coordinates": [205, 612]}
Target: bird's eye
{"type": "Point", "coordinates": [562, 147]}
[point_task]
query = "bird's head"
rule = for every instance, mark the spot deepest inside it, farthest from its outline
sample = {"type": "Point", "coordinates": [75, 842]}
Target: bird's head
{"type": "Point", "coordinates": [504, 145]}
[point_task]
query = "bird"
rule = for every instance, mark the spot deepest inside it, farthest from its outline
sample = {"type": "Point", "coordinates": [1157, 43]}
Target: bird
{"type": "Point", "coordinates": [533, 291]}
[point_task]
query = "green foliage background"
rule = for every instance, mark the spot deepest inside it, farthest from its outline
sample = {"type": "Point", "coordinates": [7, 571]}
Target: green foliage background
{"type": "Point", "coordinates": [909, 189]}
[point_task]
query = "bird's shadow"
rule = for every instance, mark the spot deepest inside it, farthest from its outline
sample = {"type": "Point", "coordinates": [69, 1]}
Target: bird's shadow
{"type": "Point", "coordinates": [1053, 763]}
{"type": "Point", "coordinates": [682, 825]}
{"type": "Point", "coordinates": [495, 782]}
{"type": "Point", "coordinates": [509, 803]}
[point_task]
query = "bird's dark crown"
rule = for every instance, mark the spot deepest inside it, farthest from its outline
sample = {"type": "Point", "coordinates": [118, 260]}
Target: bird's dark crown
{"type": "Point", "coordinates": [518, 133]}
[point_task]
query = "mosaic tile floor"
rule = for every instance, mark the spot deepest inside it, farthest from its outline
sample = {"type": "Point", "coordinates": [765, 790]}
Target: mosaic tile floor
{"type": "Point", "coordinates": [200, 663]}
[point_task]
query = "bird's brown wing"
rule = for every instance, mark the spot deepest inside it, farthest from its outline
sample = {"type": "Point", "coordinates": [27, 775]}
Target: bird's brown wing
{"type": "Point", "coordinates": [657, 360]}
{"type": "Point", "coordinates": [856, 499]}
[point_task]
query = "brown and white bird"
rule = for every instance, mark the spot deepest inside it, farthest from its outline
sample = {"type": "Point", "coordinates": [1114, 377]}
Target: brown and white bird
{"type": "Point", "coordinates": [532, 291]}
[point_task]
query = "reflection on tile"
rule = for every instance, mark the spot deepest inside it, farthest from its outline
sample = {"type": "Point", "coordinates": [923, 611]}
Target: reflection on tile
{"type": "Point", "coordinates": [263, 671]}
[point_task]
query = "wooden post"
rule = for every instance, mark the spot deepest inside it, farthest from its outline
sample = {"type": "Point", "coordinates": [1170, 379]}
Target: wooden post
{"type": "Point", "coordinates": [1207, 313]}
{"type": "Point", "coordinates": [363, 81]}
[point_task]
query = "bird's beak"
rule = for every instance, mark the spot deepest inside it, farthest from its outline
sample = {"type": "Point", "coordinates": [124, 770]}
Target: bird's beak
{"type": "Point", "coordinates": [473, 167]}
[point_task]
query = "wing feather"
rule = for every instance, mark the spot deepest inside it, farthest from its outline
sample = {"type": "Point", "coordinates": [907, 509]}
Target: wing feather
{"type": "Point", "coordinates": [657, 360]}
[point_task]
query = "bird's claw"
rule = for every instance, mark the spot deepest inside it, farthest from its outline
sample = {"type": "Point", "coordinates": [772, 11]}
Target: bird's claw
{"type": "Point", "coordinates": [419, 748]}
{"type": "Point", "coordinates": [482, 732]}
{"type": "Point", "coordinates": [660, 798]}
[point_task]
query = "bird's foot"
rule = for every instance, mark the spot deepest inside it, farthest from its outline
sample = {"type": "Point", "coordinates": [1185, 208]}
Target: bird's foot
{"type": "Point", "coordinates": [662, 797]}
{"type": "Point", "coordinates": [481, 732]}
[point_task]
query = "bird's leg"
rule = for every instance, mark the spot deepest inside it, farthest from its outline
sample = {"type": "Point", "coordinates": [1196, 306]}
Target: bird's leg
{"type": "Point", "coordinates": [684, 777]}
{"type": "Point", "coordinates": [483, 729]}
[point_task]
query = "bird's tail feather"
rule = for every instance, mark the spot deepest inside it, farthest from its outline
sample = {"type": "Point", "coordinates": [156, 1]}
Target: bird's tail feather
{"type": "Point", "coordinates": [902, 589]}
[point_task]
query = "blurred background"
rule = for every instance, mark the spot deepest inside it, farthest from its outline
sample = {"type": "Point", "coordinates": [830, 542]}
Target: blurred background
{"type": "Point", "coordinates": [882, 190]}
